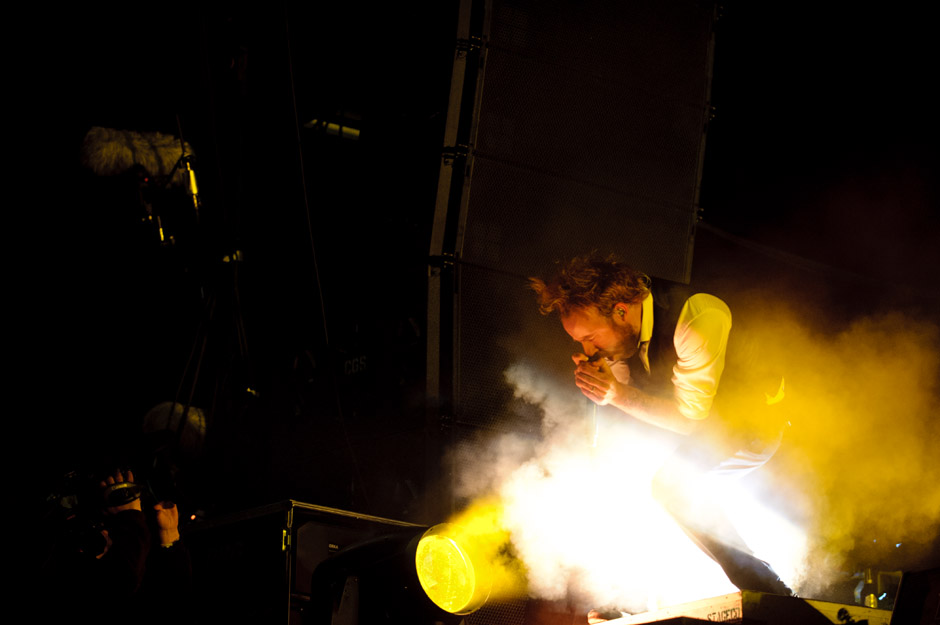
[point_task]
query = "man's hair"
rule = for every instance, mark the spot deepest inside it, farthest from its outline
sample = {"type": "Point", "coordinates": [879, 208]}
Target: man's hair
{"type": "Point", "coordinates": [590, 281]}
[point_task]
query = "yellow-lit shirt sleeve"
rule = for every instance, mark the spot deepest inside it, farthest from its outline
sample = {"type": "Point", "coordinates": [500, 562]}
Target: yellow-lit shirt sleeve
{"type": "Point", "coordinates": [701, 341]}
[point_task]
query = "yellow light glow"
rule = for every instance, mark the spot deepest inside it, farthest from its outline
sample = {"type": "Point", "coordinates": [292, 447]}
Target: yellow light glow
{"type": "Point", "coordinates": [470, 560]}
{"type": "Point", "coordinates": [776, 399]}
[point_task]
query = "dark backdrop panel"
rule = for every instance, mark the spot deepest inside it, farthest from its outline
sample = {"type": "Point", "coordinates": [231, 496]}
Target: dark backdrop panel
{"type": "Point", "coordinates": [590, 132]}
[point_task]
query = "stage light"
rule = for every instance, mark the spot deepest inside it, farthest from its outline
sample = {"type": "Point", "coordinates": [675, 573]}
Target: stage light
{"type": "Point", "coordinates": [451, 571]}
{"type": "Point", "coordinates": [435, 575]}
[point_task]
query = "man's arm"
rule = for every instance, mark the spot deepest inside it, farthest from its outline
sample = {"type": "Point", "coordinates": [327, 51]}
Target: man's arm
{"type": "Point", "coordinates": [701, 340]}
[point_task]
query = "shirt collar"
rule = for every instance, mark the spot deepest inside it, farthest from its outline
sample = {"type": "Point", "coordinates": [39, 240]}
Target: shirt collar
{"type": "Point", "coordinates": [646, 320]}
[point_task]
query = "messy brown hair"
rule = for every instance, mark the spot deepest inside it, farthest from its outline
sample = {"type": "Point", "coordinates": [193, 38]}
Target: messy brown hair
{"type": "Point", "coordinates": [588, 281]}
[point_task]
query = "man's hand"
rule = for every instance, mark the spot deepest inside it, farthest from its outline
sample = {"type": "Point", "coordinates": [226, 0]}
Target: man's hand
{"type": "Point", "coordinates": [597, 383]}
{"type": "Point", "coordinates": [602, 616]}
{"type": "Point", "coordinates": [119, 477]}
{"type": "Point", "coordinates": [596, 380]}
{"type": "Point", "coordinates": [168, 520]}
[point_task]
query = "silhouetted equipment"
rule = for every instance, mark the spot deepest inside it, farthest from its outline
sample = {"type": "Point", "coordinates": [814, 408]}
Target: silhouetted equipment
{"type": "Point", "coordinates": [918, 601]}
{"type": "Point", "coordinates": [256, 565]}
{"type": "Point", "coordinates": [161, 162]}
{"type": "Point", "coordinates": [756, 607]}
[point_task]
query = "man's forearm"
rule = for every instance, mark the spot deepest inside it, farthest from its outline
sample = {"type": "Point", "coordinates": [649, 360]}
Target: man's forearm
{"type": "Point", "coordinates": [657, 411]}
{"type": "Point", "coordinates": [168, 536]}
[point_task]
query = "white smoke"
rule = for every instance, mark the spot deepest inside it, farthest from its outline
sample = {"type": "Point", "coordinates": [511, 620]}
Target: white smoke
{"type": "Point", "coordinates": [582, 517]}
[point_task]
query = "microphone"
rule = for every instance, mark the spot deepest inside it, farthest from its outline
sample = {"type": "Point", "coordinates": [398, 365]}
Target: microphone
{"type": "Point", "coordinates": [110, 152]}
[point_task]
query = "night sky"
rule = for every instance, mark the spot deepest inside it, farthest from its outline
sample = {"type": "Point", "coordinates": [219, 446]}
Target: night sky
{"type": "Point", "coordinates": [823, 146]}
{"type": "Point", "coordinates": [823, 142]}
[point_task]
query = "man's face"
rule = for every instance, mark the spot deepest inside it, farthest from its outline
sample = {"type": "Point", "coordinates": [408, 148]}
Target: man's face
{"type": "Point", "coordinates": [615, 336]}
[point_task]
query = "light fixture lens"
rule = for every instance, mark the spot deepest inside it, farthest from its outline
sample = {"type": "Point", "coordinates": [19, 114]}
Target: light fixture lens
{"type": "Point", "coordinates": [447, 573]}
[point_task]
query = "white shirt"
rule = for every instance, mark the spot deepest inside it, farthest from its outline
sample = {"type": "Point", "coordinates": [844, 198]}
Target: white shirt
{"type": "Point", "coordinates": [701, 341]}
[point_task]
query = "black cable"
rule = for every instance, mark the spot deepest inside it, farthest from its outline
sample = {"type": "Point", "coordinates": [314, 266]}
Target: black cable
{"type": "Point", "coordinates": [316, 269]}
{"type": "Point", "coordinates": [303, 181]}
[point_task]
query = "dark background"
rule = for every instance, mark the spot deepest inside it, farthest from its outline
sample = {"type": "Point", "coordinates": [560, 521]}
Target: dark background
{"type": "Point", "coordinates": [823, 146]}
